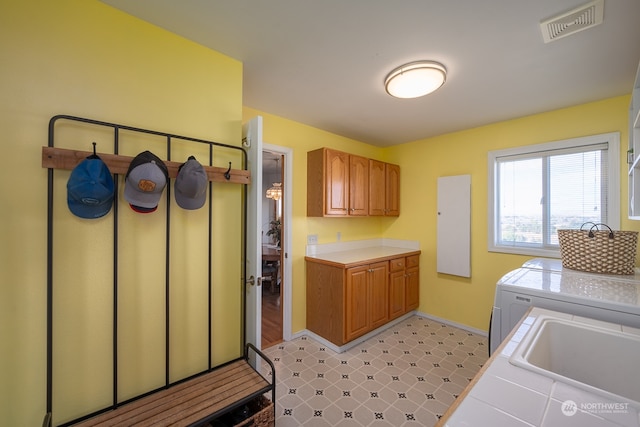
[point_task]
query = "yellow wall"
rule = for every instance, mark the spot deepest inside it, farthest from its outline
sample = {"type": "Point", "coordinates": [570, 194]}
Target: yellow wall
{"type": "Point", "coordinates": [469, 301]}
{"type": "Point", "coordinates": [84, 58]}
{"type": "Point", "coordinates": [301, 138]}
{"type": "Point", "coordinates": [464, 301]}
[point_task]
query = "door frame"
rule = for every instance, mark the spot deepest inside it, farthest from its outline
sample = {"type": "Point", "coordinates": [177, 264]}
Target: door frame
{"type": "Point", "coordinates": [286, 284]}
{"type": "Point", "coordinates": [252, 143]}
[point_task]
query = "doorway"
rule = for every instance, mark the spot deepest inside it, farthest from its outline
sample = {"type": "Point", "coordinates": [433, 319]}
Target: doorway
{"type": "Point", "coordinates": [273, 227]}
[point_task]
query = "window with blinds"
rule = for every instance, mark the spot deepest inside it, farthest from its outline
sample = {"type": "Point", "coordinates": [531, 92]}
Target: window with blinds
{"type": "Point", "coordinates": [536, 190]}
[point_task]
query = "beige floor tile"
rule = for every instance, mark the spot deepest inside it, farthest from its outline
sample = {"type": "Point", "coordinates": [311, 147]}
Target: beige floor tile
{"type": "Point", "coordinates": [407, 375]}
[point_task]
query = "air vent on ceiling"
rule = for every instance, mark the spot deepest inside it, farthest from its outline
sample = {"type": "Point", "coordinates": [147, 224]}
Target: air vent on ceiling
{"type": "Point", "coordinates": [581, 18]}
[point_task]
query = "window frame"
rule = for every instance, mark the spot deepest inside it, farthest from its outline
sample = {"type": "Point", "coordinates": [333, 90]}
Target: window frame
{"type": "Point", "coordinates": [612, 140]}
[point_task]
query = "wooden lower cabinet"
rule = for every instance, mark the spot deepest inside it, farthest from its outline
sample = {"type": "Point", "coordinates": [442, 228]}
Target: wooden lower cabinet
{"type": "Point", "coordinates": [412, 297]}
{"type": "Point", "coordinates": [344, 303]}
{"type": "Point", "coordinates": [366, 299]}
{"type": "Point", "coordinates": [404, 285]}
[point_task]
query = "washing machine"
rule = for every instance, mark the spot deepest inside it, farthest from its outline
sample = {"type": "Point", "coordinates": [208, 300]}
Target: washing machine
{"type": "Point", "coordinates": [544, 283]}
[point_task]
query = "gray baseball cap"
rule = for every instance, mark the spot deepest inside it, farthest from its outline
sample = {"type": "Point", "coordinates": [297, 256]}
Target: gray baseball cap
{"type": "Point", "coordinates": [145, 181]}
{"type": "Point", "coordinates": [191, 185]}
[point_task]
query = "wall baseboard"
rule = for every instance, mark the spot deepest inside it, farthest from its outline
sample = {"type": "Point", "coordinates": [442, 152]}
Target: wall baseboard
{"type": "Point", "coordinates": [454, 324]}
{"type": "Point", "coordinates": [351, 344]}
{"type": "Point", "coordinates": [355, 342]}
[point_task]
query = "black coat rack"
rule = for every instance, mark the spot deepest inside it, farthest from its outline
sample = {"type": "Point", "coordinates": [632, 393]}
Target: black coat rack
{"type": "Point", "coordinates": [61, 158]}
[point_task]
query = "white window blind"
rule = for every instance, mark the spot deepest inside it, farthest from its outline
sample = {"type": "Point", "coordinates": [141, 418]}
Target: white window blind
{"type": "Point", "coordinates": [539, 189]}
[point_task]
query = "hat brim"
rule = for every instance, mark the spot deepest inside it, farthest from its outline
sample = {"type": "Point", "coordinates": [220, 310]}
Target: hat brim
{"type": "Point", "coordinates": [89, 211]}
{"type": "Point", "coordinates": [142, 210]}
{"type": "Point", "coordinates": [138, 198]}
{"type": "Point", "coordinates": [190, 203]}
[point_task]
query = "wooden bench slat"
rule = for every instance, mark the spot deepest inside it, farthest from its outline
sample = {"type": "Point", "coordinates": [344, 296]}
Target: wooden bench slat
{"type": "Point", "coordinates": [188, 402]}
{"type": "Point", "coordinates": [215, 399]}
{"type": "Point", "coordinates": [186, 421]}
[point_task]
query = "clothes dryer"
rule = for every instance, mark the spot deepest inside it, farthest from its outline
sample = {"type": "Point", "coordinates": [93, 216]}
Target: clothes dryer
{"type": "Point", "coordinates": [546, 284]}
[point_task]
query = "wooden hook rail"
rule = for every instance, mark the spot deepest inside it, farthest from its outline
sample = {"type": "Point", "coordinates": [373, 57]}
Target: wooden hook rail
{"type": "Point", "coordinates": [177, 389]}
{"type": "Point", "coordinates": [61, 158]}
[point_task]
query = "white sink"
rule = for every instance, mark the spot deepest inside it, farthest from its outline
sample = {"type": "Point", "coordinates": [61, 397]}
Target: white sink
{"type": "Point", "coordinates": [596, 359]}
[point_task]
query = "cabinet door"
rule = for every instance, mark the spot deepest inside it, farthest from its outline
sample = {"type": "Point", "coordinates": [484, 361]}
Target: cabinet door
{"type": "Point", "coordinates": [392, 195]}
{"type": "Point", "coordinates": [379, 294]}
{"type": "Point", "coordinates": [396, 294]}
{"type": "Point", "coordinates": [356, 302]}
{"type": "Point", "coordinates": [358, 185]}
{"type": "Point", "coordinates": [336, 182]}
{"type": "Point", "coordinates": [377, 190]}
{"type": "Point", "coordinates": [412, 297]}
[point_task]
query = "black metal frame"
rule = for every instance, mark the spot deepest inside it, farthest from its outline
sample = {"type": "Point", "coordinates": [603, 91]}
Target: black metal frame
{"type": "Point", "coordinates": [50, 305]}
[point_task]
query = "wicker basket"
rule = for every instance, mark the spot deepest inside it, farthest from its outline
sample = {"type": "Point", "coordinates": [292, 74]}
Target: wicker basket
{"type": "Point", "coordinates": [263, 414]}
{"type": "Point", "coordinates": [598, 250]}
{"type": "Point", "coordinates": [257, 413]}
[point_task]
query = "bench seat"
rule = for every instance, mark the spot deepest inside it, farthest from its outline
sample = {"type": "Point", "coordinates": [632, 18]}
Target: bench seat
{"type": "Point", "coordinates": [199, 399]}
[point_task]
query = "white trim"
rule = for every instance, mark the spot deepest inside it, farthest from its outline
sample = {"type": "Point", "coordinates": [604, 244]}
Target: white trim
{"type": "Point", "coordinates": [613, 205]}
{"type": "Point", "coordinates": [357, 341]}
{"type": "Point", "coordinates": [360, 340]}
{"type": "Point", "coordinates": [454, 324]}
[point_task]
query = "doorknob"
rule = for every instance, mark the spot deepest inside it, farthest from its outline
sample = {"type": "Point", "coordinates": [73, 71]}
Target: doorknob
{"type": "Point", "coordinates": [252, 281]}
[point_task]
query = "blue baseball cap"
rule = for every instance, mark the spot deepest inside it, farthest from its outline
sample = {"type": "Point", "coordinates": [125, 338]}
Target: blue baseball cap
{"type": "Point", "coordinates": [90, 189]}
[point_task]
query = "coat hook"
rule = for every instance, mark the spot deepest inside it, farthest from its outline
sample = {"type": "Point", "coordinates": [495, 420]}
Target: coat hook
{"type": "Point", "coordinates": [94, 148]}
{"type": "Point", "coordinates": [227, 174]}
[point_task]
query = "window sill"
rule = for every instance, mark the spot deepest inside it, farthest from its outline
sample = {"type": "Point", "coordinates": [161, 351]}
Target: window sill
{"type": "Point", "coordinates": [519, 250]}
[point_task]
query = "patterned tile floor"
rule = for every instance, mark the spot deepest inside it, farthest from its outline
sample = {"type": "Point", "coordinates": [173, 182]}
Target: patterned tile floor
{"type": "Point", "coordinates": [407, 375]}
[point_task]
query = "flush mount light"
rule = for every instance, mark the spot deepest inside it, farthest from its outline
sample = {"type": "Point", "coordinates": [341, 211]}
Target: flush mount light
{"type": "Point", "coordinates": [415, 79]}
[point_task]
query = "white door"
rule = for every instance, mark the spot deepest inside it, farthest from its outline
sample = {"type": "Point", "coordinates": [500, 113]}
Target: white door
{"type": "Point", "coordinates": [454, 225]}
{"type": "Point", "coordinates": [252, 143]}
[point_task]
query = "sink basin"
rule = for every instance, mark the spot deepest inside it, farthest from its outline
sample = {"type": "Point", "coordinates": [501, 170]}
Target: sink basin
{"type": "Point", "coordinates": [596, 359]}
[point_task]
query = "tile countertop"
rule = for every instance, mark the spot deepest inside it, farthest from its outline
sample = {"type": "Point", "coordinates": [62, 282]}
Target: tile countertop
{"type": "Point", "coordinates": [506, 395]}
{"type": "Point", "coordinates": [359, 251]}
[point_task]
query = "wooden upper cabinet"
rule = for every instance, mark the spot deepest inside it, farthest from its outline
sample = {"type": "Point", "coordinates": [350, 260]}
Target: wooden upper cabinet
{"type": "Point", "coordinates": [343, 184]}
{"type": "Point", "coordinates": [377, 191]}
{"type": "Point", "coordinates": [336, 182]}
{"type": "Point", "coordinates": [358, 186]}
{"type": "Point", "coordinates": [392, 187]}
{"type": "Point", "coordinates": [384, 189]}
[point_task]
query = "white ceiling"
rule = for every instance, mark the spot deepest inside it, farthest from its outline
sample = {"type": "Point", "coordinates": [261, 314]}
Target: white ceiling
{"type": "Point", "coordinates": [323, 62]}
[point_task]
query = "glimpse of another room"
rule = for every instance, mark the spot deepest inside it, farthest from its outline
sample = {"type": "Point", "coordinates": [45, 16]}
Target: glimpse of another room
{"type": "Point", "coordinates": [272, 181]}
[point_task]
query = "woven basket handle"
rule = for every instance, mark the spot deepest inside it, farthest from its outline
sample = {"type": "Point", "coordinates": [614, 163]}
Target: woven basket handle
{"type": "Point", "coordinates": [582, 226]}
{"type": "Point", "coordinates": [596, 227]}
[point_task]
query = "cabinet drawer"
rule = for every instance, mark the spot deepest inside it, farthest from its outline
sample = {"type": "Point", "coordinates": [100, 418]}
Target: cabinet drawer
{"type": "Point", "coordinates": [413, 261]}
{"type": "Point", "coordinates": [397, 264]}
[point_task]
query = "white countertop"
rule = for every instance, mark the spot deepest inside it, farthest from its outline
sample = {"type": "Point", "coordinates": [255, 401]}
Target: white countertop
{"type": "Point", "coordinates": [360, 250]}
{"type": "Point", "coordinates": [508, 395]}
{"type": "Point", "coordinates": [606, 290]}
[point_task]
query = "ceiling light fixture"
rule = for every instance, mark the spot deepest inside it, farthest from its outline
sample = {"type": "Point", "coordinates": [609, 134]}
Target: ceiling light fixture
{"type": "Point", "coordinates": [275, 192]}
{"type": "Point", "coordinates": [415, 79]}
